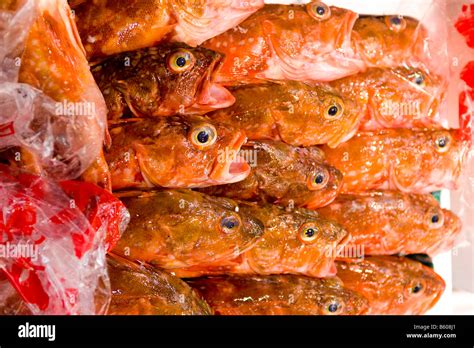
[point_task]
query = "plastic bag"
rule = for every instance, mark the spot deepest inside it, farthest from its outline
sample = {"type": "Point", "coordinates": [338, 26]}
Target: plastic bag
{"type": "Point", "coordinates": [53, 244]}
{"type": "Point", "coordinates": [58, 114]}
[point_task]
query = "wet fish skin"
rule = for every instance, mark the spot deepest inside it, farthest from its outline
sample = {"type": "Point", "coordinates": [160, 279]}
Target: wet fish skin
{"type": "Point", "coordinates": [390, 41]}
{"type": "Point", "coordinates": [393, 285]}
{"type": "Point", "coordinates": [393, 222]}
{"type": "Point", "coordinates": [297, 241]}
{"type": "Point", "coordinates": [417, 161]}
{"type": "Point", "coordinates": [109, 27]}
{"type": "Point", "coordinates": [149, 83]}
{"type": "Point", "coordinates": [139, 289]}
{"type": "Point", "coordinates": [182, 228]}
{"type": "Point", "coordinates": [279, 295]}
{"type": "Point", "coordinates": [296, 113]}
{"type": "Point", "coordinates": [289, 42]}
{"type": "Point", "coordinates": [284, 175]}
{"type": "Point", "coordinates": [165, 152]}
{"type": "Point", "coordinates": [395, 97]}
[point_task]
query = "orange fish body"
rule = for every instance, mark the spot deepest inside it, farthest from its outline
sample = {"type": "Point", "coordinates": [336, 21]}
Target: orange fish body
{"type": "Point", "coordinates": [391, 41]}
{"type": "Point", "coordinates": [392, 285]}
{"type": "Point", "coordinates": [67, 114]}
{"type": "Point", "coordinates": [109, 27]}
{"type": "Point", "coordinates": [139, 289]}
{"type": "Point", "coordinates": [394, 97]}
{"type": "Point", "coordinates": [279, 295]}
{"type": "Point", "coordinates": [161, 81]}
{"type": "Point", "coordinates": [289, 42]}
{"type": "Point", "coordinates": [293, 112]}
{"type": "Point", "coordinates": [176, 153]}
{"type": "Point", "coordinates": [393, 222]}
{"type": "Point", "coordinates": [285, 175]}
{"type": "Point", "coordinates": [294, 242]}
{"type": "Point", "coordinates": [419, 161]}
{"type": "Point", "coordinates": [182, 228]}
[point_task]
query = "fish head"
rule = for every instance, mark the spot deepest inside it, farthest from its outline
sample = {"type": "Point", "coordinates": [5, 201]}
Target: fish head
{"type": "Point", "coordinates": [297, 238]}
{"type": "Point", "coordinates": [389, 40]}
{"type": "Point", "coordinates": [322, 185]}
{"type": "Point", "coordinates": [191, 152]}
{"type": "Point", "coordinates": [430, 226]}
{"type": "Point", "coordinates": [339, 300]}
{"type": "Point", "coordinates": [407, 92]}
{"type": "Point", "coordinates": [428, 159]}
{"type": "Point", "coordinates": [201, 20]}
{"type": "Point", "coordinates": [296, 176]}
{"type": "Point", "coordinates": [392, 284]}
{"type": "Point", "coordinates": [194, 228]}
{"type": "Point", "coordinates": [420, 288]}
{"type": "Point", "coordinates": [301, 34]}
{"type": "Point", "coordinates": [175, 78]}
{"type": "Point", "coordinates": [188, 79]}
{"type": "Point", "coordinates": [324, 115]}
{"type": "Point", "coordinates": [213, 229]}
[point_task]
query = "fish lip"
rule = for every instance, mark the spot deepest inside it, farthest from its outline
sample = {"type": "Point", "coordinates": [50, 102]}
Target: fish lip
{"type": "Point", "coordinates": [213, 95]}
{"type": "Point", "coordinates": [224, 172]}
{"type": "Point", "coordinates": [349, 23]}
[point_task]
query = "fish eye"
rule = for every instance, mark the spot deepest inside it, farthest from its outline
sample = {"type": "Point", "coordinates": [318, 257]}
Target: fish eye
{"type": "Point", "coordinates": [319, 10]}
{"type": "Point", "coordinates": [308, 233]}
{"type": "Point", "coordinates": [417, 288]}
{"type": "Point", "coordinates": [435, 218]}
{"type": "Point", "coordinates": [181, 61]}
{"type": "Point", "coordinates": [230, 224]}
{"type": "Point", "coordinates": [319, 180]}
{"type": "Point", "coordinates": [203, 136]}
{"type": "Point", "coordinates": [418, 78]}
{"type": "Point", "coordinates": [333, 109]}
{"type": "Point", "coordinates": [442, 143]}
{"type": "Point", "coordinates": [396, 23]}
{"type": "Point", "coordinates": [333, 307]}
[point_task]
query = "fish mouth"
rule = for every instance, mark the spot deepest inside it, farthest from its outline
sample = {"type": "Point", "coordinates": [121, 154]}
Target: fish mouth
{"type": "Point", "coordinates": [348, 25]}
{"type": "Point", "coordinates": [345, 136]}
{"type": "Point", "coordinates": [233, 168]}
{"type": "Point", "coordinates": [213, 96]}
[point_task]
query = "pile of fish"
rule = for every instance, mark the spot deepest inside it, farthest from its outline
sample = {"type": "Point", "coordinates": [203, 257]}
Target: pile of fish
{"type": "Point", "coordinates": [274, 159]}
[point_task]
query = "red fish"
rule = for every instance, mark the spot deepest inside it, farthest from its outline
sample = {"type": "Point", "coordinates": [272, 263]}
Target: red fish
{"type": "Point", "coordinates": [181, 228]}
{"type": "Point", "coordinates": [279, 295]}
{"type": "Point", "coordinates": [56, 110]}
{"type": "Point", "coordinates": [162, 81]}
{"type": "Point", "coordinates": [175, 152]}
{"type": "Point", "coordinates": [393, 222]}
{"type": "Point", "coordinates": [289, 42]}
{"type": "Point", "coordinates": [391, 41]}
{"type": "Point", "coordinates": [395, 97]}
{"type": "Point", "coordinates": [139, 289]}
{"type": "Point", "coordinates": [392, 285]}
{"type": "Point", "coordinates": [296, 241]}
{"type": "Point", "coordinates": [293, 112]}
{"type": "Point", "coordinates": [419, 161]}
{"type": "Point", "coordinates": [108, 27]}
{"type": "Point", "coordinates": [285, 175]}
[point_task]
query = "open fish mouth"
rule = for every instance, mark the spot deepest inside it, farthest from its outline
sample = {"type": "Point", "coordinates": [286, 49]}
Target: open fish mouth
{"type": "Point", "coordinates": [230, 167]}
{"type": "Point", "coordinates": [213, 96]}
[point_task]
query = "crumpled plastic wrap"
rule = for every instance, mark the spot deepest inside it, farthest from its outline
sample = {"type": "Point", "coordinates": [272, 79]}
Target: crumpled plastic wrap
{"type": "Point", "coordinates": [61, 118]}
{"type": "Point", "coordinates": [54, 238]}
